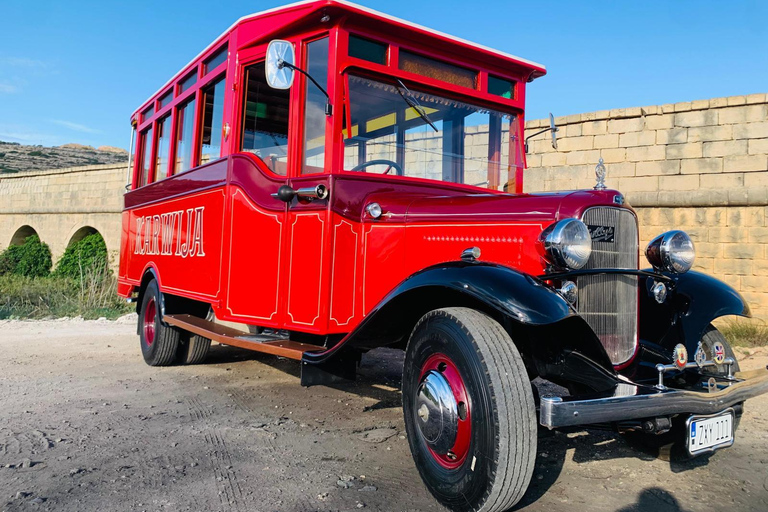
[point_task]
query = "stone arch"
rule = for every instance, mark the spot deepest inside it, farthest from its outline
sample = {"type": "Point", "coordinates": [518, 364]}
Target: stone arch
{"type": "Point", "coordinates": [82, 233]}
{"type": "Point", "coordinates": [22, 234]}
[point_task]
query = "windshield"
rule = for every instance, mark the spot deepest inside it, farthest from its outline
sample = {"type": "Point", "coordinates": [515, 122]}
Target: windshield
{"type": "Point", "coordinates": [399, 131]}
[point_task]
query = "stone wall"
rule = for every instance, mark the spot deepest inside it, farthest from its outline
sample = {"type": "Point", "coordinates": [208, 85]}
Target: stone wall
{"type": "Point", "coordinates": [700, 166]}
{"type": "Point", "coordinates": [58, 204]}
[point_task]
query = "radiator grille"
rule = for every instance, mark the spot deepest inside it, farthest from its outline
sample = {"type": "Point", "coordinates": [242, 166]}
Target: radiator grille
{"type": "Point", "coordinates": [608, 303]}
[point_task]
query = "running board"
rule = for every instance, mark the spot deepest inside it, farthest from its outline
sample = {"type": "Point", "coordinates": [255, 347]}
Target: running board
{"type": "Point", "coordinates": [237, 338]}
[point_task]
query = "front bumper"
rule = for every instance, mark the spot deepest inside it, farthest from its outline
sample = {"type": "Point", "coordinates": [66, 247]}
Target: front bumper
{"type": "Point", "coordinates": [630, 401]}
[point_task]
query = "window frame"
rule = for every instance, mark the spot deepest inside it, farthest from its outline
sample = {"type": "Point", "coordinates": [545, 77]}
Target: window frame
{"type": "Point", "coordinates": [179, 99]}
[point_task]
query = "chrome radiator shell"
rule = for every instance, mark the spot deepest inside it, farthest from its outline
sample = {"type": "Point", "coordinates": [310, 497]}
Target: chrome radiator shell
{"type": "Point", "coordinates": [609, 302]}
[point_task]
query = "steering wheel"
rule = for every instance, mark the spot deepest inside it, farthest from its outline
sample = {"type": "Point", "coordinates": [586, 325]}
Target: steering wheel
{"type": "Point", "coordinates": [389, 163]}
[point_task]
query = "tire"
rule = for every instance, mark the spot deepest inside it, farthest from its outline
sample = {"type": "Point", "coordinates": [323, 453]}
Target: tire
{"type": "Point", "coordinates": [159, 342]}
{"type": "Point", "coordinates": [712, 335]}
{"type": "Point", "coordinates": [490, 463]}
{"type": "Point", "coordinates": [193, 350]}
{"type": "Point", "coordinates": [654, 442]}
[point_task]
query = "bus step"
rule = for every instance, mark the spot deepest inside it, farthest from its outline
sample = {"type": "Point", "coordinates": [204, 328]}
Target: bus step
{"type": "Point", "coordinates": [237, 338]}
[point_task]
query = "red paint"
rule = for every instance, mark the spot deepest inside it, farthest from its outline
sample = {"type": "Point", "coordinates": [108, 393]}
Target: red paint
{"type": "Point", "coordinates": [460, 449]}
{"type": "Point", "coordinates": [149, 322]}
{"type": "Point", "coordinates": [215, 234]}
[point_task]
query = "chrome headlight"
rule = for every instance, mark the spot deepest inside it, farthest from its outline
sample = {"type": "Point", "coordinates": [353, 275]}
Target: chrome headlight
{"type": "Point", "coordinates": [567, 243]}
{"type": "Point", "coordinates": [672, 251]}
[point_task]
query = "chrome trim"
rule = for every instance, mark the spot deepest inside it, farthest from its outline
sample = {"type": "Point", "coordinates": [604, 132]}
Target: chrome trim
{"type": "Point", "coordinates": [663, 368]}
{"type": "Point", "coordinates": [650, 403]}
{"type": "Point", "coordinates": [711, 449]}
{"type": "Point", "coordinates": [311, 193]}
{"type": "Point", "coordinates": [437, 413]}
{"type": "Point", "coordinates": [608, 301]}
{"type": "Point", "coordinates": [470, 254]}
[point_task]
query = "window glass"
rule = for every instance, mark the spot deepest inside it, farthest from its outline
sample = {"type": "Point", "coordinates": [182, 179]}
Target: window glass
{"type": "Point", "coordinates": [213, 114]}
{"type": "Point", "coordinates": [426, 136]}
{"type": "Point", "coordinates": [368, 50]}
{"type": "Point", "coordinates": [184, 144]}
{"type": "Point", "coordinates": [163, 145]}
{"type": "Point", "coordinates": [188, 82]}
{"type": "Point", "coordinates": [501, 87]}
{"type": "Point", "coordinates": [265, 120]}
{"type": "Point", "coordinates": [166, 99]}
{"type": "Point", "coordinates": [216, 59]}
{"type": "Point", "coordinates": [314, 108]}
{"type": "Point", "coordinates": [146, 158]}
{"type": "Point", "coordinates": [148, 113]}
{"type": "Point", "coordinates": [438, 70]}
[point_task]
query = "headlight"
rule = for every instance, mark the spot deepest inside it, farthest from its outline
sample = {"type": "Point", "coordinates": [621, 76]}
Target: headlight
{"type": "Point", "coordinates": [567, 243]}
{"type": "Point", "coordinates": [672, 251]}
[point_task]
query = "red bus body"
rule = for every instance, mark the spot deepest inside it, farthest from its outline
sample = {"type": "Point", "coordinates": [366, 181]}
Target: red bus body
{"type": "Point", "coordinates": [214, 233]}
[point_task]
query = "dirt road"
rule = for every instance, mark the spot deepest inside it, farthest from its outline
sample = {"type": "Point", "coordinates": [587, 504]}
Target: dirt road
{"type": "Point", "coordinates": [85, 425]}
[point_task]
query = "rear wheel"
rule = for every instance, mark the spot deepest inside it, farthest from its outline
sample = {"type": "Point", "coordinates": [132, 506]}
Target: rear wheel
{"type": "Point", "coordinates": [469, 411]}
{"type": "Point", "coordinates": [159, 342]}
{"type": "Point", "coordinates": [193, 348]}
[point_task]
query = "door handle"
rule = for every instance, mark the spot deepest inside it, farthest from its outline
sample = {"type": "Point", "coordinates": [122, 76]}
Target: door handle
{"type": "Point", "coordinates": [286, 193]}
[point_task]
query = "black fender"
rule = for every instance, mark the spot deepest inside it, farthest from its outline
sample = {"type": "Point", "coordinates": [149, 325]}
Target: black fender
{"type": "Point", "coordinates": [542, 323]}
{"type": "Point", "coordinates": [694, 300]}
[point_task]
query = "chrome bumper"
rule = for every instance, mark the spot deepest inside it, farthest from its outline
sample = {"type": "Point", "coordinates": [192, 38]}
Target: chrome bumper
{"type": "Point", "coordinates": [629, 402]}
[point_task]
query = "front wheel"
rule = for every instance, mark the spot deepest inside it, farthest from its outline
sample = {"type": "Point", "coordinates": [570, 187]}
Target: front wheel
{"type": "Point", "coordinates": [469, 411]}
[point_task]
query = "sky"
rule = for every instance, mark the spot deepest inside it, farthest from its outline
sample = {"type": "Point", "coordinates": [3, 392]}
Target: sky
{"type": "Point", "coordinates": [75, 71]}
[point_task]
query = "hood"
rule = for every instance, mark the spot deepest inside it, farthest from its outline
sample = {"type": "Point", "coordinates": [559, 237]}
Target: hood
{"type": "Point", "coordinates": [541, 207]}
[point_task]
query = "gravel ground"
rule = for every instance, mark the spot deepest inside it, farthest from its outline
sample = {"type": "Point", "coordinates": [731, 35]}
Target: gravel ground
{"type": "Point", "coordinates": [85, 425]}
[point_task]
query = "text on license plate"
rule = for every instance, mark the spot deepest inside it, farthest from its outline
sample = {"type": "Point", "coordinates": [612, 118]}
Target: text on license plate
{"type": "Point", "coordinates": [706, 433]}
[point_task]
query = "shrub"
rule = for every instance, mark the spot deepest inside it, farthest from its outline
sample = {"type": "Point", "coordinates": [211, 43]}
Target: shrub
{"type": "Point", "coordinates": [88, 256]}
{"type": "Point", "coordinates": [30, 259]}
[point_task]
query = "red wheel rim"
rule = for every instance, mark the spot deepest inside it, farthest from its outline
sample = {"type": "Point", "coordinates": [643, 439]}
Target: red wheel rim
{"type": "Point", "coordinates": [149, 322]}
{"type": "Point", "coordinates": [457, 454]}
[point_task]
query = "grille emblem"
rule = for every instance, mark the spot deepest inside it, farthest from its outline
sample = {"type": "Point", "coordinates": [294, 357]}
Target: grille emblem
{"type": "Point", "coordinates": [602, 233]}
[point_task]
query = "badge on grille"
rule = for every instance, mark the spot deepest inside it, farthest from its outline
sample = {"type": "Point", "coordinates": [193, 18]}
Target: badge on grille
{"type": "Point", "coordinates": [700, 357]}
{"type": "Point", "coordinates": [718, 353]}
{"type": "Point", "coordinates": [680, 356]}
{"type": "Point", "coordinates": [602, 233]}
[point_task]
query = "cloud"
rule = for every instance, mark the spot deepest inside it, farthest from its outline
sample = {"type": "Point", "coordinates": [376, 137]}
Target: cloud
{"type": "Point", "coordinates": [6, 88]}
{"type": "Point", "coordinates": [27, 135]}
{"type": "Point", "coordinates": [22, 62]}
{"type": "Point", "coordinates": [75, 126]}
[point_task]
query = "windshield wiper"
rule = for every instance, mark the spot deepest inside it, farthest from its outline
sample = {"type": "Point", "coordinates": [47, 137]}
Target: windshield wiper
{"type": "Point", "coordinates": [411, 101]}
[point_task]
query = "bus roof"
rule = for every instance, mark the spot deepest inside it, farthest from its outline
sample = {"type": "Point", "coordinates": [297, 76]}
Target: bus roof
{"type": "Point", "coordinates": [538, 69]}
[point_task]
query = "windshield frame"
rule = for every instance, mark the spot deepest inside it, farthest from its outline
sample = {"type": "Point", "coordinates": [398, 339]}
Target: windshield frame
{"type": "Point", "coordinates": [445, 92]}
{"type": "Point", "coordinates": [389, 72]}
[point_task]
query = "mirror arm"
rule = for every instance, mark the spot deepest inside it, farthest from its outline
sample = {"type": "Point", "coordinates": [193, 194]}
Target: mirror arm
{"type": "Point", "coordinates": [550, 129]}
{"type": "Point", "coordinates": [328, 107]}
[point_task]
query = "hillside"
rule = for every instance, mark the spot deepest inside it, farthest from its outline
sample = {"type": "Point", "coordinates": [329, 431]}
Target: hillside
{"type": "Point", "coordinates": [16, 157]}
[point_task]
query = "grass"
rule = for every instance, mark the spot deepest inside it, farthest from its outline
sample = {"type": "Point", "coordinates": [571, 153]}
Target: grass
{"type": "Point", "coordinates": [92, 296]}
{"type": "Point", "coordinates": [747, 334]}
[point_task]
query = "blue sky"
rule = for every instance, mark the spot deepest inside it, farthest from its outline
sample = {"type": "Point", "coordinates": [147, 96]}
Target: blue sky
{"type": "Point", "coordinates": [74, 71]}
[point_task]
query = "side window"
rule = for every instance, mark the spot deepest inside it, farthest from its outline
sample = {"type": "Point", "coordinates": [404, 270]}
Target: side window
{"type": "Point", "coordinates": [185, 123]}
{"type": "Point", "coordinates": [315, 122]}
{"type": "Point", "coordinates": [163, 145]}
{"type": "Point", "coordinates": [213, 115]}
{"type": "Point", "coordinates": [146, 158]}
{"type": "Point", "coordinates": [265, 120]}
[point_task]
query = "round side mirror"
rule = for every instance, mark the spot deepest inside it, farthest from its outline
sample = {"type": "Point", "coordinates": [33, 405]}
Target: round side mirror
{"type": "Point", "coordinates": [280, 53]}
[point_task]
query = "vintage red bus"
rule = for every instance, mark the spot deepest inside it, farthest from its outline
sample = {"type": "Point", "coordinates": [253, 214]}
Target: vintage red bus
{"type": "Point", "coordinates": [324, 179]}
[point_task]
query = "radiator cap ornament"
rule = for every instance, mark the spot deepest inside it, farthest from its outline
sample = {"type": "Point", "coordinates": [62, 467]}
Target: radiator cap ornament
{"type": "Point", "coordinates": [600, 174]}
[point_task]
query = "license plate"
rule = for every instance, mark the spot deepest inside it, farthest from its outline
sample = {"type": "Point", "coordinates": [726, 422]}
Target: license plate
{"type": "Point", "coordinates": [708, 433]}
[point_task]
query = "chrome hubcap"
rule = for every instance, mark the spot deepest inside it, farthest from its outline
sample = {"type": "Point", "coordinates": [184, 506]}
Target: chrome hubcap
{"type": "Point", "coordinates": [437, 412]}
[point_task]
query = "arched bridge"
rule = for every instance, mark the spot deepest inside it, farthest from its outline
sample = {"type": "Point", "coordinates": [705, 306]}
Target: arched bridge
{"type": "Point", "coordinates": [63, 206]}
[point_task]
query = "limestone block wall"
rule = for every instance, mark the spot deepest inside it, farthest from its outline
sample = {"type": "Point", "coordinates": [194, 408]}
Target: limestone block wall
{"type": "Point", "coordinates": [700, 166]}
{"type": "Point", "coordinates": [58, 203]}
